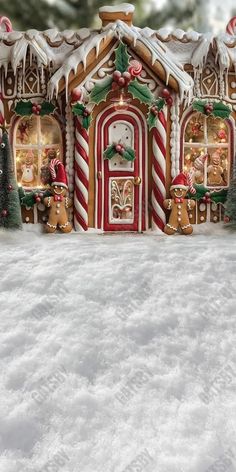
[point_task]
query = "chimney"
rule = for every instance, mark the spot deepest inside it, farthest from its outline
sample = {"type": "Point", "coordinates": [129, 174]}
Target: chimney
{"type": "Point", "coordinates": [123, 12]}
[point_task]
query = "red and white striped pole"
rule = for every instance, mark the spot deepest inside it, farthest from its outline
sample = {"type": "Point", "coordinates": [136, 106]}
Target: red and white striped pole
{"type": "Point", "coordinates": [2, 114]}
{"type": "Point", "coordinates": [159, 171]}
{"type": "Point", "coordinates": [81, 176]}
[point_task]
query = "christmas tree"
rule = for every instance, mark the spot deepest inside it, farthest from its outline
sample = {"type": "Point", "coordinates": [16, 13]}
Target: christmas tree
{"type": "Point", "coordinates": [230, 206]}
{"type": "Point", "coordinates": [10, 209]}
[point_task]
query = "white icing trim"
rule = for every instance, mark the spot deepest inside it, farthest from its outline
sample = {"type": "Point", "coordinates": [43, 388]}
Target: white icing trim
{"type": "Point", "coordinates": [123, 7]}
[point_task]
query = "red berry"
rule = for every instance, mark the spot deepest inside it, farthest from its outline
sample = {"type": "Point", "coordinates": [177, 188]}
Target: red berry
{"type": "Point", "coordinates": [114, 86]}
{"type": "Point", "coordinates": [38, 199]}
{"type": "Point", "coordinates": [34, 109]}
{"type": "Point", "coordinates": [41, 194]}
{"type": "Point", "coordinates": [116, 75]}
{"type": "Point", "coordinates": [4, 213]}
{"type": "Point", "coordinates": [165, 93]}
{"type": "Point", "coordinates": [118, 147]}
{"type": "Point", "coordinates": [121, 81]}
{"type": "Point", "coordinates": [127, 77]}
{"type": "Point", "coordinates": [39, 107]}
{"type": "Point", "coordinates": [10, 187]}
{"type": "Point", "coordinates": [169, 101]}
{"type": "Point", "coordinates": [76, 95]}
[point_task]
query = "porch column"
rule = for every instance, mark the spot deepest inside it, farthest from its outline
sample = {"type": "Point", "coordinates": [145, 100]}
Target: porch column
{"type": "Point", "coordinates": [159, 171]}
{"type": "Point", "coordinates": [81, 176]}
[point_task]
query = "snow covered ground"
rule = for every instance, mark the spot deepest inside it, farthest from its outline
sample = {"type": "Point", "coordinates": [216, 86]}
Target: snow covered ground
{"type": "Point", "coordinates": [118, 352]}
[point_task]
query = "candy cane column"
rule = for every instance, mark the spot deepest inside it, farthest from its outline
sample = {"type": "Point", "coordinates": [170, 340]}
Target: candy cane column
{"type": "Point", "coordinates": [81, 176]}
{"type": "Point", "coordinates": [159, 171]}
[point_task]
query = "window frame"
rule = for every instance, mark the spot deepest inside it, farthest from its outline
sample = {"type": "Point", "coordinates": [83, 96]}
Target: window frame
{"type": "Point", "coordinates": [230, 145]}
{"type": "Point", "coordinates": [35, 147]}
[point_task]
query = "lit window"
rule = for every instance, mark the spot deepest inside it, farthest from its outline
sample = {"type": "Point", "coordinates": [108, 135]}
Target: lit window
{"type": "Point", "coordinates": [207, 135]}
{"type": "Point", "coordinates": [36, 140]}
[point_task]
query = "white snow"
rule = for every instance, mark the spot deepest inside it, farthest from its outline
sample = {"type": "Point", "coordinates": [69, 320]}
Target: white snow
{"type": "Point", "coordinates": [123, 7]}
{"type": "Point", "coordinates": [126, 330]}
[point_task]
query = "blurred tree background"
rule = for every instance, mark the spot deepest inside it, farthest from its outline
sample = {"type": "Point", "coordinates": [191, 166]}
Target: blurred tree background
{"type": "Point", "coordinates": [73, 14]}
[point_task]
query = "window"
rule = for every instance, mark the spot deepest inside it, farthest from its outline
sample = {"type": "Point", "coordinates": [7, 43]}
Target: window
{"type": "Point", "coordinates": [36, 140]}
{"type": "Point", "coordinates": [207, 135]}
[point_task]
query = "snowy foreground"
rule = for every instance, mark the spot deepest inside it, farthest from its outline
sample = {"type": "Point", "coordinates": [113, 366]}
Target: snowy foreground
{"type": "Point", "coordinates": [118, 352]}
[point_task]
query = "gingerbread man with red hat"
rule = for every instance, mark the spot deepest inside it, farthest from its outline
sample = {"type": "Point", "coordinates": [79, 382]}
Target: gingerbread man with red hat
{"type": "Point", "coordinates": [179, 205]}
{"type": "Point", "coordinates": [59, 202]}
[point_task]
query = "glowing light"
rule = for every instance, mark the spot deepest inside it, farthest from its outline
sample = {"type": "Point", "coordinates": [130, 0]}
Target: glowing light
{"type": "Point", "coordinates": [121, 102]}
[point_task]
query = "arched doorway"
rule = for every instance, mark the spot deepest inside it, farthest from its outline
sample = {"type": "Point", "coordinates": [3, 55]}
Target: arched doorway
{"type": "Point", "coordinates": [121, 186]}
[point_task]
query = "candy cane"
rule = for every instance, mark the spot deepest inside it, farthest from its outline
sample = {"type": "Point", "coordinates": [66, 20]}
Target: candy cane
{"type": "Point", "coordinates": [159, 171]}
{"type": "Point", "coordinates": [1, 110]}
{"type": "Point", "coordinates": [190, 181]}
{"type": "Point", "coordinates": [53, 163]}
{"type": "Point", "coordinates": [81, 177]}
{"type": "Point", "coordinates": [7, 23]}
{"type": "Point", "coordinates": [231, 26]}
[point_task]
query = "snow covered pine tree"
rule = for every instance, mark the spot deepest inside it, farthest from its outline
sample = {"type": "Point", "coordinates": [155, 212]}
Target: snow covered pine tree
{"type": "Point", "coordinates": [10, 209]}
{"type": "Point", "coordinates": [230, 207]}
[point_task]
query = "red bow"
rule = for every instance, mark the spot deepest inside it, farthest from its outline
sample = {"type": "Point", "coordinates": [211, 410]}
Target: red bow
{"type": "Point", "coordinates": [58, 198]}
{"type": "Point", "coordinates": [179, 200]}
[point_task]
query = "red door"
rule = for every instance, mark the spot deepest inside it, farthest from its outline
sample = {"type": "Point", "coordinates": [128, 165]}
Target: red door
{"type": "Point", "coordinates": [122, 183]}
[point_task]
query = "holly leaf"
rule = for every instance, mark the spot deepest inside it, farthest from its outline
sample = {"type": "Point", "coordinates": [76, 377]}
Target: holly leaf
{"type": "Point", "coordinates": [141, 92]}
{"type": "Point", "coordinates": [101, 90]}
{"type": "Point", "coordinates": [160, 103]}
{"type": "Point", "coordinates": [109, 152]}
{"type": "Point", "coordinates": [47, 108]}
{"type": "Point", "coordinates": [199, 105]}
{"type": "Point", "coordinates": [86, 122]}
{"type": "Point", "coordinates": [23, 108]}
{"type": "Point", "coordinates": [221, 110]}
{"type": "Point", "coordinates": [129, 154]}
{"type": "Point", "coordinates": [78, 109]}
{"type": "Point", "coordinates": [121, 58]}
{"type": "Point", "coordinates": [151, 120]}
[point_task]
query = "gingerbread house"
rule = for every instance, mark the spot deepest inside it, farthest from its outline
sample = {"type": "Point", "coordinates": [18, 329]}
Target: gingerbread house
{"type": "Point", "coordinates": [126, 109]}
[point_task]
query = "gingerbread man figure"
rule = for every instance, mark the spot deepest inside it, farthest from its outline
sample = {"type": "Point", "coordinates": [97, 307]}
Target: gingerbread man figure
{"type": "Point", "coordinates": [59, 202]}
{"type": "Point", "coordinates": [215, 171]}
{"type": "Point", "coordinates": [179, 206]}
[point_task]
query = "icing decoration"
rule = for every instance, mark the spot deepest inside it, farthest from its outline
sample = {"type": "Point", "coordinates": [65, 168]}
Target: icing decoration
{"type": "Point", "coordinates": [81, 176]}
{"type": "Point", "coordinates": [123, 7]}
{"type": "Point", "coordinates": [27, 108]}
{"type": "Point", "coordinates": [159, 171]}
{"type": "Point", "coordinates": [117, 148]}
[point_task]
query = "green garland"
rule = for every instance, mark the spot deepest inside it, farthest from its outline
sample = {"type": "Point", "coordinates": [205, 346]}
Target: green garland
{"type": "Point", "coordinates": [29, 199]}
{"type": "Point", "coordinates": [125, 151]}
{"type": "Point", "coordinates": [27, 108]}
{"type": "Point", "coordinates": [80, 110]}
{"type": "Point", "coordinates": [203, 193]}
{"type": "Point", "coordinates": [217, 109]}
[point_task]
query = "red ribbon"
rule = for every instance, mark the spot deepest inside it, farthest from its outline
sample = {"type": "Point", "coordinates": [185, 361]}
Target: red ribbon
{"type": "Point", "coordinates": [179, 200]}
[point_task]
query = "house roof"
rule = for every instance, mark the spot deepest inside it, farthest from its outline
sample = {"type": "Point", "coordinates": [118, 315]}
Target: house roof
{"type": "Point", "coordinates": [70, 53]}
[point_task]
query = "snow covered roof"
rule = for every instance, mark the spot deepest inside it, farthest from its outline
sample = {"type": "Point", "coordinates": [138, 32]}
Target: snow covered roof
{"type": "Point", "coordinates": [155, 51]}
{"type": "Point", "coordinates": [64, 52]}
